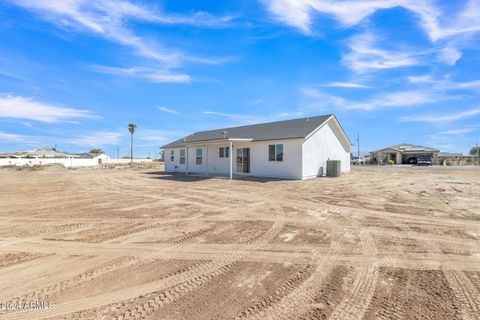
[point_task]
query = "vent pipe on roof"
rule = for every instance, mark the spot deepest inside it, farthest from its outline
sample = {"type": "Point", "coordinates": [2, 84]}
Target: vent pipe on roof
{"type": "Point", "coordinates": [224, 134]}
{"type": "Point", "coordinates": [308, 119]}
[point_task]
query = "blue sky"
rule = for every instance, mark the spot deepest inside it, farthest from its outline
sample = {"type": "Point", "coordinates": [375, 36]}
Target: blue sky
{"type": "Point", "coordinates": [74, 73]}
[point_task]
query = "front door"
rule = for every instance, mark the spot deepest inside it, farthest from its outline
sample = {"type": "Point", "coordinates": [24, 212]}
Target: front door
{"type": "Point", "coordinates": [243, 160]}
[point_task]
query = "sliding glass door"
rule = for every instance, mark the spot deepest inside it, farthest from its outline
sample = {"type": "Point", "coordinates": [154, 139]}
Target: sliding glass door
{"type": "Point", "coordinates": [243, 160]}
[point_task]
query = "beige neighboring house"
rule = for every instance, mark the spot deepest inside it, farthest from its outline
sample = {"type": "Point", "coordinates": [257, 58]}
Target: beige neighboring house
{"type": "Point", "coordinates": [401, 153]}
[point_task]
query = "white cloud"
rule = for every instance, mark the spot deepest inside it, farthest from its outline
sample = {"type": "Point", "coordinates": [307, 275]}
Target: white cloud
{"type": "Point", "coordinates": [108, 19]}
{"type": "Point", "coordinates": [449, 55]}
{"type": "Point", "coordinates": [365, 55]}
{"type": "Point", "coordinates": [150, 74]}
{"type": "Point", "coordinates": [18, 107]}
{"type": "Point", "coordinates": [168, 110]}
{"type": "Point", "coordinates": [458, 132]}
{"type": "Point", "coordinates": [253, 119]}
{"type": "Point", "coordinates": [379, 101]}
{"type": "Point", "coordinates": [444, 83]}
{"type": "Point", "coordinates": [345, 85]}
{"type": "Point", "coordinates": [11, 137]}
{"type": "Point", "coordinates": [433, 118]}
{"type": "Point", "coordinates": [95, 139]}
{"type": "Point", "coordinates": [426, 78]}
{"type": "Point", "coordinates": [435, 22]}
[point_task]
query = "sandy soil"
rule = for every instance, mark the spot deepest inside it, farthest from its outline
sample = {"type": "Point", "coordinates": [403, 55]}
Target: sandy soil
{"type": "Point", "coordinates": [378, 243]}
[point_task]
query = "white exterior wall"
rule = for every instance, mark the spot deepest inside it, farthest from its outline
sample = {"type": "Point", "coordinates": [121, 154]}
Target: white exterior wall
{"type": "Point", "coordinates": [325, 144]}
{"type": "Point", "coordinates": [174, 166]}
{"type": "Point", "coordinates": [216, 165]}
{"type": "Point", "coordinates": [289, 168]}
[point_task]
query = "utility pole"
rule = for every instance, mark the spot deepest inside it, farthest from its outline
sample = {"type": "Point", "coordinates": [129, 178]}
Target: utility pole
{"type": "Point", "coordinates": [358, 145]}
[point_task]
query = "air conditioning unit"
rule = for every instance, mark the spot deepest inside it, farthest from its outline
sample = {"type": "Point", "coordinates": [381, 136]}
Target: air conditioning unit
{"type": "Point", "coordinates": [334, 168]}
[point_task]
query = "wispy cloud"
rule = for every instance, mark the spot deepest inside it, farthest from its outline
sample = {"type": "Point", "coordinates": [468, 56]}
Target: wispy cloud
{"type": "Point", "coordinates": [449, 55]}
{"type": "Point", "coordinates": [319, 99]}
{"type": "Point", "coordinates": [18, 107]}
{"type": "Point", "coordinates": [11, 137]}
{"type": "Point", "coordinates": [365, 55]}
{"type": "Point", "coordinates": [345, 85]}
{"type": "Point", "coordinates": [94, 139]}
{"type": "Point", "coordinates": [109, 19]}
{"type": "Point", "coordinates": [435, 118]}
{"type": "Point", "coordinates": [435, 22]}
{"type": "Point", "coordinates": [459, 131]}
{"type": "Point", "coordinates": [162, 76]}
{"type": "Point", "coordinates": [168, 110]}
{"type": "Point", "coordinates": [445, 83]}
{"type": "Point", "coordinates": [253, 119]}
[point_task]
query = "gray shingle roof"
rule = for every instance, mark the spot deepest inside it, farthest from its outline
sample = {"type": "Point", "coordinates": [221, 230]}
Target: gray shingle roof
{"type": "Point", "coordinates": [288, 129]}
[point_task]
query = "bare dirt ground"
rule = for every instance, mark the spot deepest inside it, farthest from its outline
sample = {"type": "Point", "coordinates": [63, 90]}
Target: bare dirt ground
{"type": "Point", "coordinates": [378, 243]}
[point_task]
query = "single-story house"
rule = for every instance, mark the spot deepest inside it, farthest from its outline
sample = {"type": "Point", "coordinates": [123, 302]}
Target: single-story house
{"type": "Point", "coordinates": [291, 149]}
{"type": "Point", "coordinates": [402, 153]}
{"type": "Point", "coordinates": [99, 157]}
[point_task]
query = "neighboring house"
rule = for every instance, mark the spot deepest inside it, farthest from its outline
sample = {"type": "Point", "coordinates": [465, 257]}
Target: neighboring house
{"type": "Point", "coordinates": [48, 156]}
{"type": "Point", "coordinates": [401, 153]}
{"type": "Point", "coordinates": [99, 157]}
{"type": "Point", "coordinates": [291, 149]}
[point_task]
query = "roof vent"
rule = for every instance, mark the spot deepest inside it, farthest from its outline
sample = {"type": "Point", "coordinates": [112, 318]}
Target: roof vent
{"type": "Point", "coordinates": [308, 119]}
{"type": "Point", "coordinates": [224, 134]}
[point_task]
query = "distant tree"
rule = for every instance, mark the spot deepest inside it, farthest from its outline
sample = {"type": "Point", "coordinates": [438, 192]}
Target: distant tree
{"type": "Point", "coordinates": [96, 151]}
{"type": "Point", "coordinates": [475, 150]}
{"type": "Point", "coordinates": [132, 127]}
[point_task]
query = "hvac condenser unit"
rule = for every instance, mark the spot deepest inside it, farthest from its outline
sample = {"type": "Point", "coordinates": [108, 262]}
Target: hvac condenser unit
{"type": "Point", "coordinates": [333, 168]}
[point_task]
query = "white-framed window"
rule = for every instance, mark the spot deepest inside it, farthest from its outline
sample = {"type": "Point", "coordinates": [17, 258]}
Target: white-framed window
{"type": "Point", "coordinates": [224, 152]}
{"type": "Point", "coordinates": [199, 156]}
{"type": "Point", "coordinates": [172, 155]}
{"type": "Point", "coordinates": [182, 156]}
{"type": "Point", "coordinates": [275, 152]}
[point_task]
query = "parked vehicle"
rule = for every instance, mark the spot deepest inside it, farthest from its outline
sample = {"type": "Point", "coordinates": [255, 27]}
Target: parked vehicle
{"type": "Point", "coordinates": [356, 161]}
{"type": "Point", "coordinates": [424, 160]}
{"type": "Point", "coordinates": [412, 160]}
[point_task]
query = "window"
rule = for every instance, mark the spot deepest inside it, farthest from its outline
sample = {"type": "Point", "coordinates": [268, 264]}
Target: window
{"type": "Point", "coordinates": [223, 152]}
{"type": "Point", "coordinates": [182, 156]}
{"type": "Point", "coordinates": [172, 155]}
{"type": "Point", "coordinates": [199, 156]}
{"type": "Point", "coordinates": [279, 152]}
{"type": "Point", "coordinates": [275, 152]}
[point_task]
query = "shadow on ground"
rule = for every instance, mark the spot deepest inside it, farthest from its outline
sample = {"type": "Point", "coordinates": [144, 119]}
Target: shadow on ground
{"type": "Point", "coordinates": [181, 177]}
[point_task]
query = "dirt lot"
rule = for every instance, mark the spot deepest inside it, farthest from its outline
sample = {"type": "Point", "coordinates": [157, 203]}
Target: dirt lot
{"type": "Point", "coordinates": [378, 243]}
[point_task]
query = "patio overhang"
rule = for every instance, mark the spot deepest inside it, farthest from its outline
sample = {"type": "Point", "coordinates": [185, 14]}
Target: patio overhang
{"type": "Point", "coordinates": [206, 143]}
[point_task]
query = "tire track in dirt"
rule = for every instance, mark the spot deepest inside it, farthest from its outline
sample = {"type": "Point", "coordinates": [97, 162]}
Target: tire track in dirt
{"type": "Point", "coordinates": [465, 292]}
{"type": "Point", "coordinates": [57, 288]}
{"type": "Point", "coordinates": [192, 235]}
{"type": "Point", "coordinates": [285, 289]}
{"type": "Point", "coordinates": [160, 292]}
{"type": "Point", "coordinates": [355, 304]}
{"type": "Point", "coordinates": [10, 259]}
{"type": "Point", "coordinates": [299, 300]}
{"type": "Point", "coordinates": [97, 238]}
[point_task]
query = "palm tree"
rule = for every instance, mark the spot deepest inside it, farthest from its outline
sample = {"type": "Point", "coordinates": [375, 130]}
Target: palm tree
{"type": "Point", "coordinates": [132, 127]}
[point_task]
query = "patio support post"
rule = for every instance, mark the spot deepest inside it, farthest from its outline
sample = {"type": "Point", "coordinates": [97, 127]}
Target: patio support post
{"type": "Point", "coordinates": [186, 161]}
{"type": "Point", "coordinates": [206, 159]}
{"type": "Point", "coordinates": [231, 160]}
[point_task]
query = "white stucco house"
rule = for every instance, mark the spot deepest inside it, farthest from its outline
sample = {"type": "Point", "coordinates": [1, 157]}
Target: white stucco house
{"type": "Point", "coordinates": [291, 149]}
